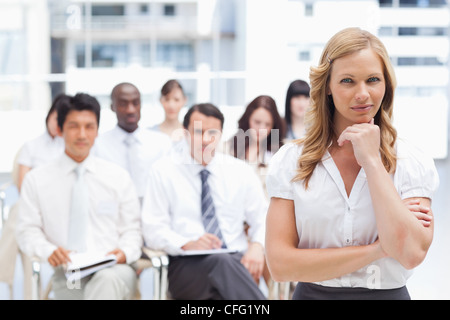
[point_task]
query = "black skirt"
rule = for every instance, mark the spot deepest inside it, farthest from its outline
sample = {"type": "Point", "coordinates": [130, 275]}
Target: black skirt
{"type": "Point", "coordinates": [311, 291]}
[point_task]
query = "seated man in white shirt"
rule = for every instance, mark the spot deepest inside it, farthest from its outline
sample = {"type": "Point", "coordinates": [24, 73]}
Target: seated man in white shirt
{"type": "Point", "coordinates": [176, 202]}
{"type": "Point", "coordinates": [131, 147]}
{"type": "Point", "coordinates": [108, 223]}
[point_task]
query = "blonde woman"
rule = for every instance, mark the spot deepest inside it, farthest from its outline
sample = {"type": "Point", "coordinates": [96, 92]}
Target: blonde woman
{"type": "Point", "coordinates": [350, 203]}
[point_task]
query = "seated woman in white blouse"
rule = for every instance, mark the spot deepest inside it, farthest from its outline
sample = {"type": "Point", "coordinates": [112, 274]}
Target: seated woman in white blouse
{"type": "Point", "coordinates": [350, 203]}
{"type": "Point", "coordinates": [44, 148]}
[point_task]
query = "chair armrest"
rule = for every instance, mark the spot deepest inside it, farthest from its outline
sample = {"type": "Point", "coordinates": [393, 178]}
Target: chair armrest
{"type": "Point", "coordinates": [149, 259]}
{"type": "Point", "coordinates": [153, 253]}
{"type": "Point", "coordinates": [159, 261]}
{"type": "Point", "coordinates": [3, 189]}
{"type": "Point", "coordinates": [35, 278]}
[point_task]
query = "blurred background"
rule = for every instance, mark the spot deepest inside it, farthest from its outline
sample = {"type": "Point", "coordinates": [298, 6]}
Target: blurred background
{"type": "Point", "coordinates": [226, 52]}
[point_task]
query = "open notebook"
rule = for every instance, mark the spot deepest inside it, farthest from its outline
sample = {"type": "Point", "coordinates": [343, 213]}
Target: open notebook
{"type": "Point", "coordinates": [86, 263]}
{"type": "Point", "coordinates": [202, 252]}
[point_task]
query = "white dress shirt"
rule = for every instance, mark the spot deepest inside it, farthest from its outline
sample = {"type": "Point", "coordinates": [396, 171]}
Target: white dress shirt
{"type": "Point", "coordinates": [40, 150]}
{"type": "Point", "coordinates": [171, 210]}
{"type": "Point", "coordinates": [327, 218]}
{"type": "Point", "coordinates": [151, 145]}
{"type": "Point", "coordinates": [44, 208]}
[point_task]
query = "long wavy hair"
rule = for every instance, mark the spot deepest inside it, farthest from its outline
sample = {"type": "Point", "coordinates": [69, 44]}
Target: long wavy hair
{"type": "Point", "coordinates": [319, 117]}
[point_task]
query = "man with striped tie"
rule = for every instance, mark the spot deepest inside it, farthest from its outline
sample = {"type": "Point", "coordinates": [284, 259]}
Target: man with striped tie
{"type": "Point", "coordinates": [194, 208]}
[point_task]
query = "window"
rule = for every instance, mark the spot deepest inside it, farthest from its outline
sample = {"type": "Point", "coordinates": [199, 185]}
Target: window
{"type": "Point", "coordinates": [408, 3]}
{"type": "Point", "coordinates": [437, 3]}
{"type": "Point", "coordinates": [309, 9]}
{"type": "Point", "coordinates": [145, 54]}
{"type": "Point", "coordinates": [386, 31]}
{"type": "Point", "coordinates": [422, 3]}
{"type": "Point", "coordinates": [169, 10]}
{"type": "Point", "coordinates": [419, 61]}
{"type": "Point", "coordinates": [144, 9]}
{"type": "Point", "coordinates": [104, 55]}
{"type": "Point", "coordinates": [422, 31]}
{"type": "Point", "coordinates": [98, 10]}
{"type": "Point", "coordinates": [406, 31]}
{"type": "Point", "coordinates": [304, 56]}
{"type": "Point", "coordinates": [385, 3]}
{"type": "Point", "coordinates": [12, 52]}
{"type": "Point", "coordinates": [421, 91]}
{"type": "Point", "coordinates": [179, 56]}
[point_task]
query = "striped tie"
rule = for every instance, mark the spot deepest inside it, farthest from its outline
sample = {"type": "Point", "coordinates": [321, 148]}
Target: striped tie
{"type": "Point", "coordinates": [208, 211]}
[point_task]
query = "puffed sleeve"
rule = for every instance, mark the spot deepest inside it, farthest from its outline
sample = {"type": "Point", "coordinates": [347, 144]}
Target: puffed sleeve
{"type": "Point", "coordinates": [282, 169]}
{"type": "Point", "coordinates": [25, 157]}
{"type": "Point", "coordinates": [416, 174]}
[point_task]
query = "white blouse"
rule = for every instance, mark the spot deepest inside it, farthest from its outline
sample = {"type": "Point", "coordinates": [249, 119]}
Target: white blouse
{"type": "Point", "coordinates": [40, 150]}
{"type": "Point", "coordinates": [327, 218]}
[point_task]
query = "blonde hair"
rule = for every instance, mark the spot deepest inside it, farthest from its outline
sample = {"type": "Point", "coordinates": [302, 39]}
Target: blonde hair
{"type": "Point", "coordinates": [319, 117]}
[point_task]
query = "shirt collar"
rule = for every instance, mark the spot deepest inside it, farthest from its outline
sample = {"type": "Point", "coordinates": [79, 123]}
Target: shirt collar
{"type": "Point", "coordinates": [194, 166]}
{"type": "Point", "coordinates": [122, 134]}
{"type": "Point", "coordinates": [69, 165]}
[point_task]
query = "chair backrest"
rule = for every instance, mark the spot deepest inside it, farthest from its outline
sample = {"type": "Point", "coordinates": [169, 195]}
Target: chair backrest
{"type": "Point", "coordinates": [15, 169]}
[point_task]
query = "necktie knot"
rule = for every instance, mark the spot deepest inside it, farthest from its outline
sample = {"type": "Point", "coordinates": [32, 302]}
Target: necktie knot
{"type": "Point", "coordinates": [129, 140]}
{"type": "Point", "coordinates": [79, 171]}
{"type": "Point", "coordinates": [204, 175]}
